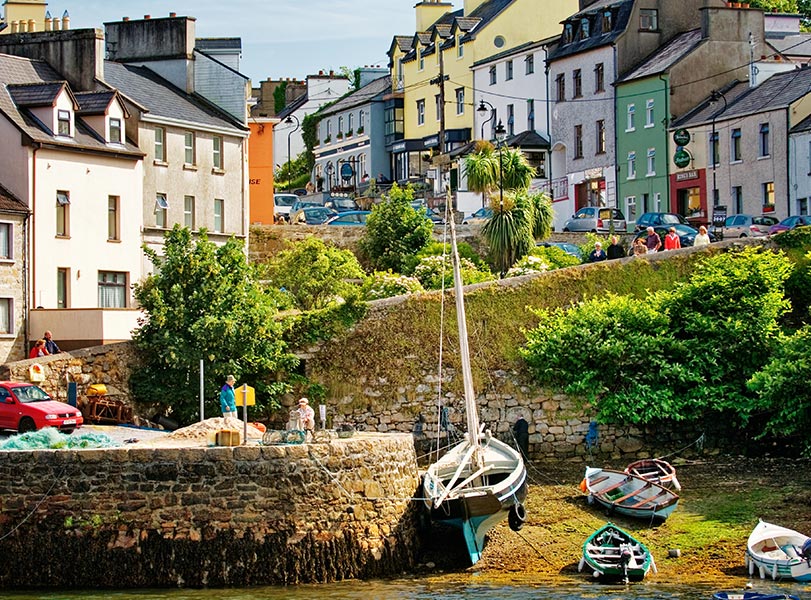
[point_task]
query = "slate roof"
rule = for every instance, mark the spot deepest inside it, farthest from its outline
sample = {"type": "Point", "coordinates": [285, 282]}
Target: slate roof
{"type": "Point", "coordinates": [777, 92]}
{"type": "Point", "coordinates": [485, 12]}
{"type": "Point", "coordinates": [218, 44]}
{"type": "Point", "coordinates": [620, 21]}
{"type": "Point", "coordinates": [362, 96]}
{"type": "Point", "coordinates": [527, 139]}
{"type": "Point", "coordinates": [293, 106]}
{"type": "Point", "coordinates": [32, 95]}
{"type": "Point", "coordinates": [520, 49]}
{"type": "Point", "coordinates": [94, 103]}
{"type": "Point", "coordinates": [404, 42]}
{"type": "Point", "coordinates": [798, 44]}
{"type": "Point", "coordinates": [667, 56]}
{"type": "Point", "coordinates": [162, 99]}
{"type": "Point", "coordinates": [24, 75]}
{"type": "Point", "coordinates": [10, 203]}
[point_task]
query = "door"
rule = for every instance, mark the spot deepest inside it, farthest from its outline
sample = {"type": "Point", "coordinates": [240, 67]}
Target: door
{"type": "Point", "coordinates": [8, 410]}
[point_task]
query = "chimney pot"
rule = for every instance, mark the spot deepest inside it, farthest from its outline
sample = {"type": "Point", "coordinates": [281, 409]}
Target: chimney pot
{"type": "Point", "coordinates": [125, 19]}
{"type": "Point", "coordinates": [147, 16]}
{"type": "Point", "coordinates": [173, 14]}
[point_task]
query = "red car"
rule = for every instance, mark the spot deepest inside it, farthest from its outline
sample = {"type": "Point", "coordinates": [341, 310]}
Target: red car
{"type": "Point", "coordinates": [25, 407]}
{"type": "Point", "coordinates": [789, 223]}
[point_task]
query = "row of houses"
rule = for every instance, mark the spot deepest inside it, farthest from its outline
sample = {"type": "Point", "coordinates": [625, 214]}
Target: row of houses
{"type": "Point", "coordinates": [108, 138]}
{"type": "Point", "coordinates": [696, 107]}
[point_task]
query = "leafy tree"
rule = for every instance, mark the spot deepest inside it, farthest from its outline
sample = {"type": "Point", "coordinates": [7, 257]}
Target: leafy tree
{"type": "Point", "coordinates": [395, 231]}
{"type": "Point", "coordinates": [204, 302]}
{"type": "Point", "coordinates": [509, 231]}
{"type": "Point", "coordinates": [279, 97]}
{"type": "Point", "coordinates": [314, 274]}
{"type": "Point", "coordinates": [291, 174]}
{"type": "Point", "coordinates": [309, 134]}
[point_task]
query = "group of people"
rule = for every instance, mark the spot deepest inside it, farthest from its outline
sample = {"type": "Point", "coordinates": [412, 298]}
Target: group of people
{"type": "Point", "coordinates": [44, 347]}
{"type": "Point", "coordinates": [304, 414]}
{"type": "Point", "coordinates": [652, 242]}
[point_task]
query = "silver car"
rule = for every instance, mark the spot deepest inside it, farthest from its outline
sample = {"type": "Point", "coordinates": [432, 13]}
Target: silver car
{"type": "Point", "coordinates": [596, 219]}
{"type": "Point", "coordinates": [740, 226]}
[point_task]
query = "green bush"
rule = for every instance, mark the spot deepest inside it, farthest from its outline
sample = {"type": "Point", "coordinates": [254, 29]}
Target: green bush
{"type": "Point", "coordinates": [541, 259]}
{"type": "Point", "coordinates": [434, 248]}
{"type": "Point", "coordinates": [385, 284]}
{"type": "Point", "coordinates": [436, 272]}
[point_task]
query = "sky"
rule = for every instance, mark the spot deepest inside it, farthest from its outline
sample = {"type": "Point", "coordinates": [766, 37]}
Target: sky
{"type": "Point", "coordinates": [280, 38]}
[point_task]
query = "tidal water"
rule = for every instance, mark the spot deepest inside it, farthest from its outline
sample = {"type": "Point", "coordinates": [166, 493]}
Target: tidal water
{"type": "Point", "coordinates": [433, 588]}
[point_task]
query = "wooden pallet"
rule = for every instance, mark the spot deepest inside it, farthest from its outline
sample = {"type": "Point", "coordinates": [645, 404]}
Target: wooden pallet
{"type": "Point", "coordinates": [101, 409]}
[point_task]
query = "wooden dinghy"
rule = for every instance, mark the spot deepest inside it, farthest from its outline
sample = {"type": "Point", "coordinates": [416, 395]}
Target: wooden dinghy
{"type": "Point", "coordinates": [752, 596]}
{"type": "Point", "coordinates": [655, 470]}
{"type": "Point", "coordinates": [614, 554]}
{"type": "Point", "coordinates": [628, 494]}
{"type": "Point", "coordinates": [778, 552]}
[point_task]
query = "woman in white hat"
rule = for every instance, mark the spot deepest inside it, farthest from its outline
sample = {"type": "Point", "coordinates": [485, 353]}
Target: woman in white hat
{"type": "Point", "coordinates": [306, 415]}
{"type": "Point", "coordinates": [228, 403]}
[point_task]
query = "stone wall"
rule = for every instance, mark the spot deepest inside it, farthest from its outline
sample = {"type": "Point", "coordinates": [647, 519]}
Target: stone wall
{"type": "Point", "coordinates": [226, 516]}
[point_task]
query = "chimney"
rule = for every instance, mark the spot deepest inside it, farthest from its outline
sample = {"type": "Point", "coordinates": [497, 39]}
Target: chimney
{"type": "Point", "coordinates": [32, 25]}
{"type": "Point", "coordinates": [172, 15]}
{"type": "Point", "coordinates": [65, 20]}
{"type": "Point", "coordinates": [48, 22]}
{"type": "Point", "coordinates": [428, 12]}
{"type": "Point", "coordinates": [147, 17]}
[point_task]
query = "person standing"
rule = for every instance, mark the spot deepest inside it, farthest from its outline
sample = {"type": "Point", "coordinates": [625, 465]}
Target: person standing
{"type": "Point", "coordinates": [228, 403]}
{"type": "Point", "coordinates": [672, 241]}
{"type": "Point", "coordinates": [615, 249]}
{"type": "Point", "coordinates": [50, 345]}
{"type": "Point", "coordinates": [653, 242]}
{"type": "Point", "coordinates": [598, 254]}
{"type": "Point", "coordinates": [702, 237]}
{"type": "Point", "coordinates": [638, 247]}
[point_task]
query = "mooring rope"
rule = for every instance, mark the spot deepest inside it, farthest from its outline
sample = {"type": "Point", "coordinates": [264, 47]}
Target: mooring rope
{"type": "Point", "coordinates": [37, 505]}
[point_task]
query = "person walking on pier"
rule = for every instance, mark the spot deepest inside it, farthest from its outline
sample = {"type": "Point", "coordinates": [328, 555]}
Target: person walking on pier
{"type": "Point", "coordinates": [228, 403]}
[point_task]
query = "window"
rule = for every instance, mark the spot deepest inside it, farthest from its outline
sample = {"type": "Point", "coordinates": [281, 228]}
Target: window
{"type": "Point", "coordinates": [6, 241]}
{"type": "Point", "coordinates": [607, 21]}
{"type": "Point", "coordinates": [113, 226]}
{"type": "Point", "coordinates": [460, 101]}
{"type": "Point", "coordinates": [493, 76]}
{"type": "Point", "coordinates": [63, 122]}
{"type": "Point", "coordinates": [219, 215]}
{"type": "Point", "coordinates": [361, 120]}
{"type": "Point", "coordinates": [567, 33]}
{"type": "Point", "coordinates": [768, 194]}
{"type": "Point", "coordinates": [350, 124]}
{"type": "Point", "coordinates": [649, 112]}
{"type": "Point", "coordinates": [420, 112]}
{"type": "Point", "coordinates": [62, 214]}
{"type": "Point", "coordinates": [631, 165]}
{"type": "Point", "coordinates": [112, 289]}
{"type": "Point", "coordinates": [161, 208]}
{"type": "Point", "coordinates": [735, 146]}
{"type": "Point", "coordinates": [508, 70]}
{"type": "Point", "coordinates": [529, 64]}
{"type": "Point", "coordinates": [802, 206]}
{"type": "Point", "coordinates": [216, 157]}
{"type": "Point", "coordinates": [630, 125]}
{"type": "Point", "coordinates": [578, 141]}
{"type": "Point", "coordinates": [329, 129]}
{"type": "Point", "coordinates": [560, 83]}
{"type": "Point", "coordinates": [715, 150]}
{"type": "Point", "coordinates": [62, 282]}
{"type": "Point", "coordinates": [651, 162]}
{"type": "Point", "coordinates": [764, 139]}
{"type": "Point", "coordinates": [460, 49]}
{"type": "Point", "coordinates": [438, 106]}
{"type": "Point", "coordinates": [648, 19]}
{"type": "Point", "coordinates": [584, 29]}
{"type": "Point", "coordinates": [530, 115]}
{"type": "Point", "coordinates": [188, 212]}
{"type": "Point", "coordinates": [577, 84]}
{"type": "Point", "coordinates": [737, 199]}
{"type": "Point", "coordinates": [420, 60]}
{"type": "Point", "coordinates": [511, 119]}
{"type": "Point", "coordinates": [6, 315]}
{"type": "Point", "coordinates": [601, 136]}
{"type": "Point", "coordinates": [362, 164]}
{"type": "Point", "coordinates": [340, 126]}
{"type": "Point", "coordinates": [115, 131]}
{"type": "Point", "coordinates": [160, 141]}
{"type": "Point", "coordinates": [189, 146]}
{"type": "Point", "coordinates": [599, 78]}
{"type": "Point", "coordinates": [630, 208]}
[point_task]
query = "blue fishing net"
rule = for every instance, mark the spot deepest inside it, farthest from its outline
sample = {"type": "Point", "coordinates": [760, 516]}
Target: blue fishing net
{"type": "Point", "coordinates": [49, 438]}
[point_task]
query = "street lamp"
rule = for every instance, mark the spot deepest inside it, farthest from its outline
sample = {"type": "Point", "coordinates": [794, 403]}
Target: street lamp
{"type": "Point", "coordinates": [482, 110]}
{"type": "Point", "coordinates": [501, 133]}
{"type": "Point", "coordinates": [289, 121]}
{"type": "Point", "coordinates": [329, 176]}
{"type": "Point", "coordinates": [714, 146]}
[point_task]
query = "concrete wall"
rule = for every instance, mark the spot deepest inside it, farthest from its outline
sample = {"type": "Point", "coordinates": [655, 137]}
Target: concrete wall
{"type": "Point", "coordinates": [241, 516]}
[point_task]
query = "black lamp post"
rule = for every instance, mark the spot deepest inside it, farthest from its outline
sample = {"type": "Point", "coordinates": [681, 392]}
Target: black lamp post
{"type": "Point", "coordinates": [500, 135]}
{"type": "Point", "coordinates": [482, 110]}
{"type": "Point", "coordinates": [289, 121]}
{"type": "Point", "coordinates": [329, 176]}
{"type": "Point", "coordinates": [714, 95]}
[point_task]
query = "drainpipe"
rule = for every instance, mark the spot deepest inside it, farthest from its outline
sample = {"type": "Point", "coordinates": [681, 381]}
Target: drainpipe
{"type": "Point", "coordinates": [667, 142]}
{"type": "Point", "coordinates": [788, 179]}
{"type": "Point", "coordinates": [548, 125]}
{"type": "Point", "coordinates": [31, 252]}
{"type": "Point", "coordinates": [616, 136]}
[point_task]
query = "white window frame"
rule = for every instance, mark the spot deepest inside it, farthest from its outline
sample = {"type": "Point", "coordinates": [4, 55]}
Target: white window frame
{"type": "Point", "coordinates": [160, 144]}
{"type": "Point", "coordinates": [651, 155]}
{"type": "Point", "coordinates": [216, 152]}
{"type": "Point", "coordinates": [188, 212]}
{"type": "Point", "coordinates": [116, 128]}
{"type": "Point", "coordinates": [631, 165]}
{"type": "Point", "coordinates": [161, 210]}
{"type": "Point", "coordinates": [630, 124]}
{"type": "Point", "coordinates": [630, 208]}
{"type": "Point", "coordinates": [7, 315]}
{"type": "Point", "coordinates": [421, 112]}
{"type": "Point", "coordinates": [649, 106]}
{"type": "Point", "coordinates": [460, 48]}
{"type": "Point", "coordinates": [460, 101]}
{"type": "Point", "coordinates": [189, 148]}
{"type": "Point", "coordinates": [62, 213]}
{"type": "Point", "coordinates": [63, 124]}
{"type": "Point", "coordinates": [113, 219]}
{"type": "Point", "coordinates": [219, 215]}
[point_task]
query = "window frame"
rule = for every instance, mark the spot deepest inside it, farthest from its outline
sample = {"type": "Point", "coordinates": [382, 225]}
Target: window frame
{"type": "Point", "coordinates": [188, 213]}
{"type": "Point", "coordinates": [460, 101]}
{"type": "Point", "coordinates": [600, 136]}
{"type": "Point", "coordinates": [631, 165]}
{"type": "Point", "coordinates": [7, 253]}
{"type": "Point", "coordinates": [768, 193]}
{"type": "Point", "coordinates": [113, 218]}
{"type": "Point", "coordinates": [493, 75]}
{"type": "Point", "coordinates": [648, 19]}
{"type": "Point", "coordinates": [189, 148]}
{"type": "Point", "coordinates": [115, 284]}
{"type": "Point", "coordinates": [161, 210]}
{"type": "Point", "coordinates": [63, 124]}
{"type": "Point", "coordinates": [62, 214]}
{"type": "Point", "coordinates": [650, 107]}
{"type": "Point", "coordinates": [765, 140]}
{"type": "Point", "coordinates": [509, 70]}
{"type": "Point", "coordinates": [578, 141]}
{"type": "Point", "coordinates": [630, 123]}
{"type": "Point", "coordinates": [529, 64]}
{"type": "Point", "coordinates": [735, 148]}
{"type": "Point", "coordinates": [577, 83]}
{"type": "Point", "coordinates": [530, 114]}
{"type": "Point", "coordinates": [560, 87]}
{"type": "Point", "coordinates": [116, 127]}
{"type": "Point", "coordinates": [160, 155]}
{"type": "Point", "coordinates": [651, 162]}
{"type": "Point", "coordinates": [62, 287]}
{"type": "Point", "coordinates": [420, 112]}
{"type": "Point", "coordinates": [217, 152]}
{"type": "Point", "coordinates": [7, 312]}
{"type": "Point", "coordinates": [219, 213]}
{"type": "Point", "coordinates": [599, 78]}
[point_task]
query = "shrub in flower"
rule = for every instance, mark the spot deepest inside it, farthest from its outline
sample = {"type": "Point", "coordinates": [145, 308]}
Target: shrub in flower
{"type": "Point", "coordinates": [432, 271]}
{"type": "Point", "coordinates": [385, 284]}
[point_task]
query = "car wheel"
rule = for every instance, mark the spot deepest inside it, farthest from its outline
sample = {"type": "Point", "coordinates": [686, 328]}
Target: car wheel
{"type": "Point", "coordinates": [67, 431]}
{"type": "Point", "coordinates": [743, 235]}
{"type": "Point", "coordinates": [26, 424]}
{"type": "Point", "coordinates": [566, 229]}
{"type": "Point", "coordinates": [594, 231]}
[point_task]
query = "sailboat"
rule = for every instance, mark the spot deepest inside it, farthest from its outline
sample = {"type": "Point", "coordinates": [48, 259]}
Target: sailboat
{"type": "Point", "coordinates": [480, 481]}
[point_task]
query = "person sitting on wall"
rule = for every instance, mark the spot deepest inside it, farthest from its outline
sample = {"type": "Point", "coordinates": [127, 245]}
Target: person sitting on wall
{"type": "Point", "coordinates": [38, 350]}
{"type": "Point", "coordinates": [50, 345]}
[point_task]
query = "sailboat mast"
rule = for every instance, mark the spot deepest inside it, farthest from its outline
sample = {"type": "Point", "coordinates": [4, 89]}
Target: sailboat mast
{"type": "Point", "coordinates": [464, 350]}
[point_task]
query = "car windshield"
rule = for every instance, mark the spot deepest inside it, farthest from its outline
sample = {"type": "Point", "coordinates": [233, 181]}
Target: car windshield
{"type": "Point", "coordinates": [30, 393]}
{"type": "Point", "coordinates": [671, 219]}
{"type": "Point", "coordinates": [764, 221]}
{"type": "Point", "coordinates": [343, 202]}
{"type": "Point", "coordinates": [286, 200]}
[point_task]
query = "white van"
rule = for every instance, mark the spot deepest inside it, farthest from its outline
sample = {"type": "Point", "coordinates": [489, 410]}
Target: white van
{"type": "Point", "coordinates": [283, 203]}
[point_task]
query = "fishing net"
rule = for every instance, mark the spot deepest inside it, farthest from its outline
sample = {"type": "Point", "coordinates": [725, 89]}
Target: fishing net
{"type": "Point", "coordinates": [49, 438]}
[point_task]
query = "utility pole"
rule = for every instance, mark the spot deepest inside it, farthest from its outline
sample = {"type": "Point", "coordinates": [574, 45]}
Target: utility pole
{"type": "Point", "coordinates": [440, 160]}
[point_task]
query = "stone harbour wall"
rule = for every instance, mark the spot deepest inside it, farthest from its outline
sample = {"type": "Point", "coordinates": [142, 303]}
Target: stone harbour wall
{"type": "Point", "coordinates": [195, 517]}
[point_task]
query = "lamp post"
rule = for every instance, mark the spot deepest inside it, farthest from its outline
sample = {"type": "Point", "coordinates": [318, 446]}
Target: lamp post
{"type": "Point", "coordinates": [482, 110]}
{"type": "Point", "coordinates": [714, 98]}
{"type": "Point", "coordinates": [289, 121]}
{"type": "Point", "coordinates": [500, 135]}
{"type": "Point", "coordinates": [329, 176]}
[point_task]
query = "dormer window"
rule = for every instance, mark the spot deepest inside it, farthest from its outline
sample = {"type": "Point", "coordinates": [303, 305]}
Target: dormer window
{"type": "Point", "coordinates": [567, 33]}
{"type": "Point", "coordinates": [608, 24]}
{"type": "Point", "coordinates": [420, 60]}
{"type": "Point", "coordinates": [115, 131]}
{"type": "Point", "coordinates": [648, 19]}
{"type": "Point", "coordinates": [63, 122]}
{"type": "Point", "coordinates": [584, 29]}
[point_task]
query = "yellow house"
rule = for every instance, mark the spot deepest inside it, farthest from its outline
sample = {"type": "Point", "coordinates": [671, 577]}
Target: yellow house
{"type": "Point", "coordinates": [451, 41]}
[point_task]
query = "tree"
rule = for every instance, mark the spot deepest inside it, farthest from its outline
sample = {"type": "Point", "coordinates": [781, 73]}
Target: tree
{"type": "Point", "coordinates": [315, 274]}
{"type": "Point", "coordinates": [204, 302]}
{"type": "Point", "coordinates": [395, 231]}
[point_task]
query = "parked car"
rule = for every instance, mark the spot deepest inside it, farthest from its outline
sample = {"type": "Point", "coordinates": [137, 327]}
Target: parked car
{"type": "Point", "coordinates": [687, 234]}
{"type": "Point", "coordinates": [312, 215]}
{"type": "Point", "coordinates": [350, 217]}
{"type": "Point", "coordinates": [596, 219]}
{"type": "Point", "coordinates": [341, 203]}
{"type": "Point", "coordinates": [26, 407]}
{"type": "Point", "coordinates": [431, 213]}
{"type": "Point", "coordinates": [568, 248]}
{"type": "Point", "coordinates": [741, 226]}
{"type": "Point", "coordinates": [478, 217]}
{"type": "Point", "coordinates": [283, 203]}
{"type": "Point", "coordinates": [659, 219]}
{"type": "Point", "coordinates": [790, 223]}
{"type": "Point", "coordinates": [299, 204]}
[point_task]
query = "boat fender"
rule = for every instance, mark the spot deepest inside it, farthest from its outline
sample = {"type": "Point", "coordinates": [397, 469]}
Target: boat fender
{"type": "Point", "coordinates": [517, 516]}
{"type": "Point", "coordinates": [774, 571]}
